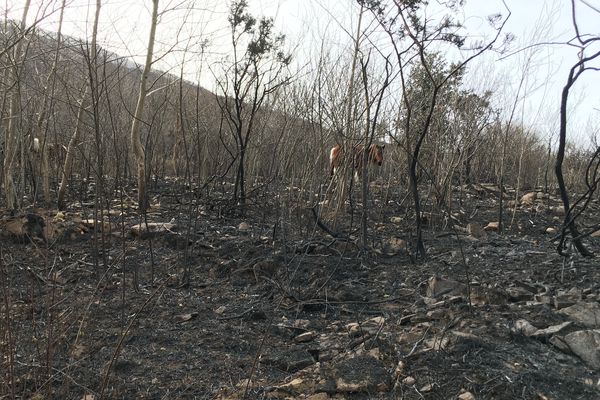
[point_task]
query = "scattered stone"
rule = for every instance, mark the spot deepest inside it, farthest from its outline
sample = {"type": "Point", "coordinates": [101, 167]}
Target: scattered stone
{"type": "Point", "coordinates": [437, 343]}
{"type": "Point", "coordinates": [243, 227]}
{"type": "Point", "coordinates": [399, 370]}
{"type": "Point", "coordinates": [265, 269]}
{"type": "Point", "coordinates": [560, 210]}
{"type": "Point", "coordinates": [291, 360]}
{"type": "Point", "coordinates": [542, 196]}
{"type": "Point", "coordinates": [587, 314]}
{"type": "Point", "coordinates": [516, 293]}
{"type": "Point", "coordinates": [220, 310]}
{"type": "Point", "coordinates": [559, 342]}
{"type": "Point", "coordinates": [395, 246]}
{"type": "Point", "coordinates": [529, 198]}
{"type": "Point", "coordinates": [396, 220]}
{"type": "Point", "coordinates": [596, 234]}
{"type": "Point", "coordinates": [566, 299]}
{"type": "Point", "coordinates": [551, 230]}
{"type": "Point", "coordinates": [524, 327]}
{"type": "Point", "coordinates": [145, 230]}
{"type": "Point", "coordinates": [297, 386]}
{"type": "Point", "coordinates": [492, 226]}
{"type": "Point", "coordinates": [318, 396]}
{"type": "Point", "coordinates": [543, 299]}
{"type": "Point", "coordinates": [476, 231]}
{"type": "Point", "coordinates": [551, 330]}
{"type": "Point", "coordinates": [438, 287]}
{"type": "Point", "coordinates": [586, 345]}
{"type": "Point", "coordinates": [409, 381]}
{"type": "Point", "coordinates": [305, 337]}
{"type": "Point", "coordinates": [427, 388]}
{"type": "Point", "coordinates": [466, 396]}
{"type": "Point", "coordinates": [361, 374]}
{"type": "Point", "coordinates": [368, 327]}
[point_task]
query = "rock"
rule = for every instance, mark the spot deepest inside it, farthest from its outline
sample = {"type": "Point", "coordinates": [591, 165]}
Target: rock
{"type": "Point", "coordinates": [291, 360]}
{"type": "Point", "coordinates": [305, 337]}
{"type": "Point", "coordinates": [399, 370]}
{"type": "Point", "coordinates": [297, 386]}
{"type": "Point", "coordinates": [243, 227]}
{"type": "Point", "coordinates": [368, 327]}
{"type": "Point", "coordinates": [524, 327]}
{"type": "Point", "coordinates": [587, 314]}
{"type": "Point", "coordinates": [596, 234]}
{"type": "Point", "coordinates": [409, 381]}
{"type": "Point", "coordinates": [437, 343]}
{"type": "Point", "coordinates": [476, 231]}
{"type": "Point", "coordinates": [492, 226]}
{"type": "Point", "coordinates": [551, 330]}
{"type": "Point", "coordinates": [516, 293]}
{"type": "Point", "coordinates": [395, 246]}
{"type": "Point", "coordinates": [361, 374]}
{"type": "Point", "coordinates": [466, 396]}
{"type": "Point", "coordinates": [318, 396]}
{"type": "Point", "coordinates": [551, 230]}
{"type": "Point", "coordinates": [560, 210]}
{"type": "Point", "coordinates": [586, 345]}
{"type": "Point", "coordinates": [265, 268]}
{"type": "Point", "coordinates": [529, 198]}
{"type": "Point", "coordinates": [144, 230]}
{"type": "Point", "coordinates": [565, 299]}
{"type": "Point", "coordinates": [438, 287]}
{"type": "Point", "coordinates": [559, 342]}
{"type": "Point", "coordinates": [427, 388]}
{"type": "Point", "coordinates": [396, 220]}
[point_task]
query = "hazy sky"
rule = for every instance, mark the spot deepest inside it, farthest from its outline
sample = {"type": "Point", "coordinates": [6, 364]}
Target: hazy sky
{"type": "Point", "coordinates": [542, 69]}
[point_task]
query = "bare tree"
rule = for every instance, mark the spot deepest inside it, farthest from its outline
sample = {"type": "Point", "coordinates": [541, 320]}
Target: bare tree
{"type": "Point", "coordinates": [583, 43]}
{"type": "Point", "coordinates": [66, 170]}
{"type": "Point", "coordinates": [49, 89]}
{"type": "Point", "coordinates": [12, 139]}
{"type": "Point", "coordinates": [257, 70]}
{"type": "Point", "coordinates": [136, 141]}
{"type": "Point", "coordinates": [406, 23]}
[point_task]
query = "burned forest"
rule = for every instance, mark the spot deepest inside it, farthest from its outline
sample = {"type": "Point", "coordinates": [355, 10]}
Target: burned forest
{"type": "Point", "coordinates": [217, 207]}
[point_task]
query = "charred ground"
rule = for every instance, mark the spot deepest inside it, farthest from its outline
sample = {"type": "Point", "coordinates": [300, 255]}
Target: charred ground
{"type": "Point", "coordinates": [267, 305]}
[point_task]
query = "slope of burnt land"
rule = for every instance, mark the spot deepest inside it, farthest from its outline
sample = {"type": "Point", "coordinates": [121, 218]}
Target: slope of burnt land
{"type": "Point", "coordinates": [197, 301]}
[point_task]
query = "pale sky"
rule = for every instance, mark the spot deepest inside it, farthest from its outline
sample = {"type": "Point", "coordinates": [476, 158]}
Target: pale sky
{"type": "Point", "coordinates": [307, 23]}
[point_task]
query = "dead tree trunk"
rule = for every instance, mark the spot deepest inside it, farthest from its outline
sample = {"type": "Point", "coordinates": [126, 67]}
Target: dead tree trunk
{"type": "Point", "coordinates": [11, 140]}
{"type": "Point", "coordinates": [66, 171]}
{"type": "Point", "coordinates": [48, 95]}
{"type": "Point", "coordinates": [569, 222]}
{"type": "Point", "coordinates": [136, 141]}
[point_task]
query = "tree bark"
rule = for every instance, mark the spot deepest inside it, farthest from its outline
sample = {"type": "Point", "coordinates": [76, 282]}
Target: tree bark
{"type": "Point", "coordinates": [11, 139]}
{"type": "Point", "coordinates": [41, 132]}
{"type": "Point", "coordinates": [136, 141]}
{"type": "Point", "coordinates": [66, 171]}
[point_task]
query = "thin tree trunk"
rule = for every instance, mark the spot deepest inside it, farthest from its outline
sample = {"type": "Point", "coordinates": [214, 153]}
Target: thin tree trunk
{"type": "Point", "coordinates": [42, 133]}
{"type": "Point", "coordinates": [11, 139]}
{"type": "Point", "coordinates": [560, 155]}
{"type": "Point", "coordinates": [136, 141]}
{"type": "Point", "coordinates": [66, 171]}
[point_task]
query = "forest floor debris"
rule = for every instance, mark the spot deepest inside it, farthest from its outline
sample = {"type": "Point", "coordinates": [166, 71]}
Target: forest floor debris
{"type": "Point", "coordinates": [216, 305]}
